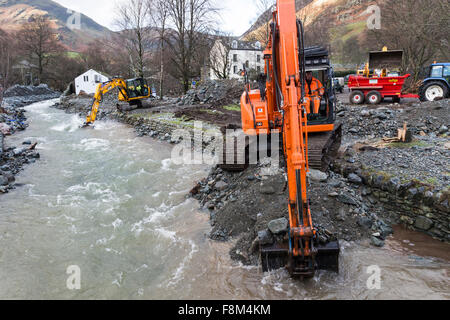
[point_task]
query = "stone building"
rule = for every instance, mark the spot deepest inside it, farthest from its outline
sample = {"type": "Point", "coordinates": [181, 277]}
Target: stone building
{"type": "Point", "coordinates": [229, 55]}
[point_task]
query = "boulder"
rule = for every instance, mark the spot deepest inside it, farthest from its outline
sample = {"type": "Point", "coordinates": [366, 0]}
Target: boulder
{"type": "Point", "coordinates": [423, 223]}
{"type": "Point", "coordinates": [375, 241]}
{"type": "Point", "coordinates": [318, 176]}
{"type": "Point", "coordinates": [265, 237]}
{"type": "Point", "coordinates": [278, 226]}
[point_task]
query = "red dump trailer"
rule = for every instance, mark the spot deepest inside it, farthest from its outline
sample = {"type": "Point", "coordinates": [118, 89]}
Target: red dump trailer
{"type": "Point", "coordinates": [374, 90]}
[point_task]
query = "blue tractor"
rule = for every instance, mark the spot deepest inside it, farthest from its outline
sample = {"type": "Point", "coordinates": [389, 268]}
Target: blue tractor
{"type": "Point", "coordinates": [437, 84]}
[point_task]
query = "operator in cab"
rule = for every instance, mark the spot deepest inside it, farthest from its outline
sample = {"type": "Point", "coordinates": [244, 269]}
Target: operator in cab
{"type": "Point", "coordinates": [314, 92]}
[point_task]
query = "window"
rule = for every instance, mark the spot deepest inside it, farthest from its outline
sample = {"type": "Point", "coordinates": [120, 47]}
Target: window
{"type": "Point", "coordinates": [447, 71]}
{"type": "Point", "coordinates": [235, 58]}
{"type": "Point", "coordinates": [436, 72]}
{"type": "Point", "coordinates": [86, 78]}
{"type": "Point", "coordinates": [247, 64]}
{"type": "Point", "coordinates": [258, 68]}
{"type": "Point", "coordinates": [235, 69]}
{"type": "Point", "coordinates": [258, 58]}
{"type": "Point", "coordinates": [97, 78]}
{"type": "Point", "coordinates": [234, 44]}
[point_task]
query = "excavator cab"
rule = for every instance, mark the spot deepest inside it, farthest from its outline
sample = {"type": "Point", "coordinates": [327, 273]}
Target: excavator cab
{"type": "Point", "coordinates": [137, 88]}
{"type": "Point", "coordinates": [318, 62]}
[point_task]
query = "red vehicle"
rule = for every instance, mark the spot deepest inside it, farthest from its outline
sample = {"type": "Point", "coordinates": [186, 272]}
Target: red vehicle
{"type": "Point", "coordinates": [385, 83]}
{"type": "Point", "coordinates": [374, 90]}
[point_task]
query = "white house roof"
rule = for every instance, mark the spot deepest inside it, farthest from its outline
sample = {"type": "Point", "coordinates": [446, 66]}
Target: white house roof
{"type": "Point", "coordinates": [95, 71]}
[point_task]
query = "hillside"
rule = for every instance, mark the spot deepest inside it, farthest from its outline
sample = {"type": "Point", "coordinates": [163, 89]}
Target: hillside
{"type": "Point", "coordinates": [346, 21]}
{"type": "Point", "coordinates": [14, 13]}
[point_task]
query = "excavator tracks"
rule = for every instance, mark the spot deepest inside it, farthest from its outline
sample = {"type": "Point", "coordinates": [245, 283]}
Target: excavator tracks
{"type": "Point", "coordinates": [323, 148]}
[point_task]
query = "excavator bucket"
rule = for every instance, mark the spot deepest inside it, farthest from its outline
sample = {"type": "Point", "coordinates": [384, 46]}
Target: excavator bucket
{"type": "Point", "coordinates": [276, 256]}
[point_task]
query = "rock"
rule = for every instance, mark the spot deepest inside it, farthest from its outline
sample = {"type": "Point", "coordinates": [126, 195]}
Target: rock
{"type": "Point", "coordinates": [317, 175]}
{"type": "Point", "coordinates": [353, 178]}
{"type": "Point", "coordinates": [333, 194]}
{"type": "Point", "coordinates": [385, 231]}
{"type": "Point", "coordinates": [18, 151]}
{"type": "Point", "coordinates": [221, 186]}
{"type": "Point", "coordinates": [377, 242]}
{"type": "Point", "coordinates": [443, 130]}
{"type": "Point", "coordinates": [8, 175]}
{"type": "Point", "coordinates": [5, 129]}
{"type": "Point", "coordinates": [27, 142]}
{"type": "Point", "coordinates": [3, 180]}
{"type": "Point", "coordinates": [267, 189]}
{"type": "Point", "coordinates": [345, 198]}
{"type": "Point", "coordinates": [353, 130]}
{"type": "Point", "coordinates": [423, 223]}
{"type": "Point", "coordinates": [278, 226]}
{"type": "Point", "coordinates": [365, 222]}
{"type": "Point", "coordinates": [342, 215]}
{"type": "Point", "coordinates": [265, 237]}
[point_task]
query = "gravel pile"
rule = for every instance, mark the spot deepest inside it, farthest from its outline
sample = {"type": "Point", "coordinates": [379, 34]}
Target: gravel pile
{"type": "Point", "coordinates": [214, 93]}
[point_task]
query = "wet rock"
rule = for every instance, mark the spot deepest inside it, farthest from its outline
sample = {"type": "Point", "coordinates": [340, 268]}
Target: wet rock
{"type": "Point", "coordinates": [278, 226]}
{"type": "Point", "coordinates": [423, 223]}
{"type": "Point", "coordinates": [317, 175]}
{"type": "Point", "coordinates": [375, 241]}
{"type": "Point", "coordinates": [18, 151]}
{"type": "Point", "coordinates": [8, 175]}
{"type": "Point", "coordinates": [3, 180]}
{"type": "Point", "coordinates": [265, 237]}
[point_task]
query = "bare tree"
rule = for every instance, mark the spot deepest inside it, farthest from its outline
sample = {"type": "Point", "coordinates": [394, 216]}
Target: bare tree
{"type": "Point", "coordinates": [133, 20]}
{"type": "Point", "coordinates": [420, 28]}
{"type": "Point", "coordinates": [192, 21]}
{"type": "Point", "coordinates": [220, 57]}
{"type": "Point", "coordinates": [95, 57]}
{"type": "Point", "coordinates": [39, 42]}
{"type": "Point", "coordinates": [160, 16]}
{"type": "Point", "coordinates": [6, 60]}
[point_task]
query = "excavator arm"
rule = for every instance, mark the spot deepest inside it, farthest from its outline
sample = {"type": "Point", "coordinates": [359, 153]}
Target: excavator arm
{"type": "Point", "coordinates": [102, 89]}
{"type": "Point", "coordinates": [285, 110]}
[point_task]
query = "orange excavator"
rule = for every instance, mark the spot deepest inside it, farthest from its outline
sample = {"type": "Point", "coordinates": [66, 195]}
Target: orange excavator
{"type": "Point", "coordinates": [305, 131]}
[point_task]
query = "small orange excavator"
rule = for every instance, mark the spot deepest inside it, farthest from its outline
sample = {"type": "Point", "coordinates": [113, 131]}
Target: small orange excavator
{"type": "Point", "coordinates": [287, 109]}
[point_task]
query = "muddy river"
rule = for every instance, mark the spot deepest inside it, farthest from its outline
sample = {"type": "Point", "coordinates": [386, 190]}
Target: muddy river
{"type": "Point", "coordinates": [115, 207]}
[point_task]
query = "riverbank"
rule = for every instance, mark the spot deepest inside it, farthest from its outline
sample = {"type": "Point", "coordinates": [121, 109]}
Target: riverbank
{"type": "Point", "coordinates": [12, 120]}
{"type": "Point", "coordinates": [345, 203]}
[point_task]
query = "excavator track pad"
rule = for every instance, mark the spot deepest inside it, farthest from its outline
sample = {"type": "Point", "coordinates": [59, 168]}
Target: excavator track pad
{"type": "Point", "coordinates": [323, 147]}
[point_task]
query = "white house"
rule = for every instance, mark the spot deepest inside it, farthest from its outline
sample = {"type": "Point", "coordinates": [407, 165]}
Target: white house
{"type": "Point", "coordinates": [89, 81]}
{"type": "Point", "coordinates": [239, 53]}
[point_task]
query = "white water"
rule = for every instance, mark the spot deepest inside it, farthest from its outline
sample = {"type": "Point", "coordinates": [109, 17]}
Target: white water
{"type": "Point", "coordinates": [115, 205]}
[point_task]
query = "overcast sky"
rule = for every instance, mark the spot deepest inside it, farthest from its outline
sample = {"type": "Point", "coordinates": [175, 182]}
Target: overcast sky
{"type": "Point", "coordinates": [237, 15]}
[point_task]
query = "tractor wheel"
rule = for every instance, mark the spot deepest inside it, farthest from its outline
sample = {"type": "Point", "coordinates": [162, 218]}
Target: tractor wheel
{"type": "Point", "coordinates": [433, 90]}
{"type": "Point", "coordinates": [374, 97]}
{"type": "Point", "coordinates": [357, 97]}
